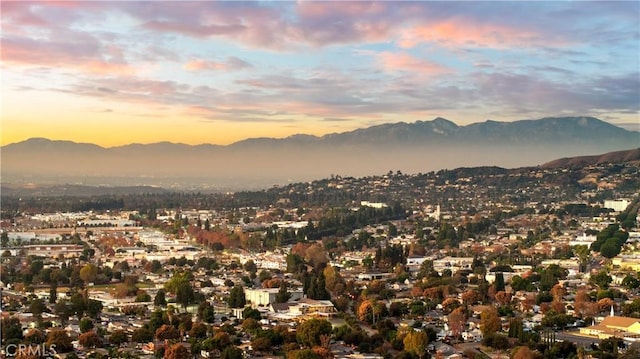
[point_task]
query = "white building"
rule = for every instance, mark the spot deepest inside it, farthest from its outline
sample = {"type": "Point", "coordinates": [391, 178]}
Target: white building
{"type": "Point", "coordinates": [266, 296]}
{"type": "Point", "coordinates": [617, 205]}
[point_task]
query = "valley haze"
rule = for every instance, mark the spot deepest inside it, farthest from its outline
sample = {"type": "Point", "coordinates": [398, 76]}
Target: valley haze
{"type": "Point", "coordinates": [416, 147]}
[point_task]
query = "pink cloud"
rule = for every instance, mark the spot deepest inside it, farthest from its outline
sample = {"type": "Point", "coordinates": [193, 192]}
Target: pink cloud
{"type": "Point", "coordinates": [83, 56]}
{"type": "Point", "coordinates": [197, 30]}
{"type": "Point", "coordinates": [461, 33]}
{"type": "Point", "coordinates": [404, 62]}
{"type": "Point", "coordinates": [232, 63]}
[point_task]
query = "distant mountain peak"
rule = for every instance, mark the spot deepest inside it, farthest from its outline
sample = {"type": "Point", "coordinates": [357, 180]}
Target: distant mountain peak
{"type": "Point", "coordinates": [443, 121]}
{"type": "Point", "coordinates": [411, 147]}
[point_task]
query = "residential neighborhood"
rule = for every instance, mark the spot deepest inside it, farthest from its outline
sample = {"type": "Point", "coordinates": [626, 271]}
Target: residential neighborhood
{"type": "Point", "coordinates": [466, 263]}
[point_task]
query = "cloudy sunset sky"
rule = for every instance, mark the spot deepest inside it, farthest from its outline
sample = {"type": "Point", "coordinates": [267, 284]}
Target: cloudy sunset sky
{"type": "Point", "coordinates": [114, 73]}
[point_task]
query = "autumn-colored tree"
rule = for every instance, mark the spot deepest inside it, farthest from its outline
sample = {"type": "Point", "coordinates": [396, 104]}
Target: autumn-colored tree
{"type": "Point", "coordinates": [371, 311]}
{"type": "Point", "coordinates": [558, 292]}
{"type": "Point", "coordinates": [416, 342]}
{"type": "Point", "coordinates": [503, 298]}
{"type": "Point", "coordinates": [416, 249]}
{"type": "Point", "coordinates": [583, 306]}
{"type": "Point", "coordinates": [261, 344]}
{"type": "Point", "coordinates": [316, 255]}
{"type": "Point", "coordinates": [491, 292]}
{"type": "Point", "coordinates": [524, 352]}
{"type": "Point", "coordinates": [272, 283]}
{"type": "Point", "coordinates": [416, 291]}
{"type": "Point", "coordinates": [88, 273]}
{"type": "Point", "coordinates": [166, 332]}
{"type": "Point", "coordinates": [376, 286]}
{"type": "Point", "coordinates": [300, 248]}
{"type": "Point", "coordinates": [333, 280]}
{"type": "Point", "coordinates": [490, 321]}
{"type": "Point", "coordinates": [450, 304]}
{"type": "Point", "coordinates": [434, 293]}
{"type": "Point", "coordinates": [90, 339]}
{"type": "Point", "coordinates": [545, 307]}
{"type": "Point", "coordinates": [221, 340]}
{"type": "Point", "coordinates": [457, 321]}
{"type": "Point", "coordinates": [177, 351]}
{"type": "Point", "coordinates": [605, 304]}
{"type": "Point", "coordinates": [558, 306]}
{"type": "Point", "coordinates": [60, 339]}
{"type": "Point", "coordinates": [122, 290]}
{"type": "Point", "coordinates": [322, 352]}
{"type": "Point", "coordinates": [528, 302]}
{"type": "Point", "coordinates": [35, 336]}
{"type": "Point", "coordinates": [302, 354]}
{"type": "Point", "coordinates": [470, 297]}
{"type": "Point", "coordinates": [25, 354]}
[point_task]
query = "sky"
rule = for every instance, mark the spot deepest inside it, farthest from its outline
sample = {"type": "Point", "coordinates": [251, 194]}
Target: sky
{"type": "Point", "coordinates": [116, 72]}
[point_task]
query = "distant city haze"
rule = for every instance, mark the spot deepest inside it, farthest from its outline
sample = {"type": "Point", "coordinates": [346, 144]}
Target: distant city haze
{"type": "Point", "coordinates": [417, 147]}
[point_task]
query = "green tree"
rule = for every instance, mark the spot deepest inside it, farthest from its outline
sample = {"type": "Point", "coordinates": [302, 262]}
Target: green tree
{"type": "Point", "coordinates": [180, 286]}
{"type": "Point", "coordinates": [303, 354]}
{"type": "Point", "coordinates": [4, 239]}
{"type": "Point", "coordinates": [250, 266]}
{"type": "Point", "coordinates": [63, 310]}
{"type": "Point", "coordinates": [601, 279]}
{"type": "Point", "coordinates": [11, 330]}
{"type": "Point", "coordinates": [583, 253]}
{"type": "Point", "coordinates": [85, 325]}
{"type": "Point", "coordinates": [37, 307]}
{"type": "Point", "coordinates": [231, 352]}
{"type": "Point", "coordinates": [631, 282]}
{"type": "Point", "coordinates": [93, 307]}
{"type": "Point", "coordinates": [249, 312]}
{"type": "Point", "coordinates": [237, 297]}
{"type": "Point", "coordinates": [160, 298]}
{"type": "Point", "coordinates": [610, 248]}
{"type": "Point", "coordinates": [310, 331]}
{"type": "Point", "coordinates": [206, 312]}
{"type": "Point", "coordinates": [53, 292]}
{"type": "Point", "coordinates": [142, 335]}
{"type": "Point", "coordinates": [499, 283]}
{"type": "Point", "coordinates": [198, 330]}
{"type": "Point", "coordinates": [143, 297]}
{"type": "Point", "coordinates": [118, 337]}
{"type": "Point", "coordinates": [283, 294]}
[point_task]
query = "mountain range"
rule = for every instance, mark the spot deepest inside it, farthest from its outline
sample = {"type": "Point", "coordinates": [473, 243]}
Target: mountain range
{"type": "Point", "coordinates": [421, 146]}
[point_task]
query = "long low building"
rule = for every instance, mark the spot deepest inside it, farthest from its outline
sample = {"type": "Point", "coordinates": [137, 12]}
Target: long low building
{"type": "Point", "coordinates": [614, 326]}
{"type": "Point", "coordinates": [49, 250]}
